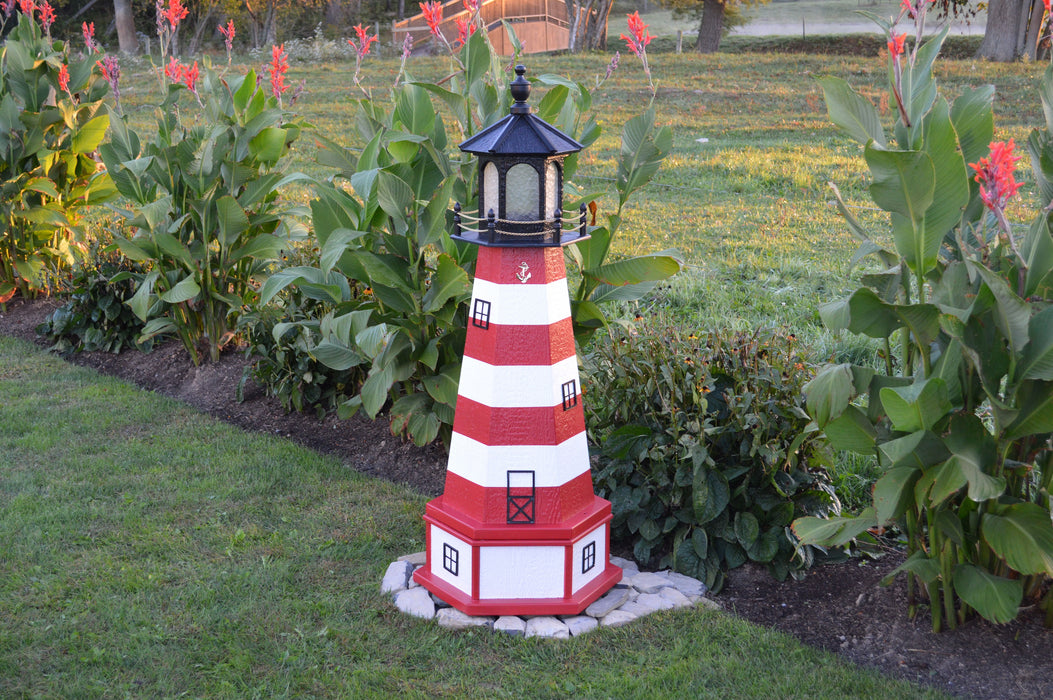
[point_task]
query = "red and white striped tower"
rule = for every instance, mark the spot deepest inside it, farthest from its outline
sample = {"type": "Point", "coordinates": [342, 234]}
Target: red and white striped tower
{"type": "Point", "coordinates": [518, 529]}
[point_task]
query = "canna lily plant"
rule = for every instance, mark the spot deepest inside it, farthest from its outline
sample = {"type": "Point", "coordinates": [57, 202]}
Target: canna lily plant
{"type": "Point", "coordinates": [960, 415]}
{"type": "Point", "coordinates": [390, 286]}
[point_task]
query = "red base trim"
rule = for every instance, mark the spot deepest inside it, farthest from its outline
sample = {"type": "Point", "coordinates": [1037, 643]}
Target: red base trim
{"type": "Point", "coordinates": [571, 605]}
{"type": "Point", "coordinates": [454, 511]}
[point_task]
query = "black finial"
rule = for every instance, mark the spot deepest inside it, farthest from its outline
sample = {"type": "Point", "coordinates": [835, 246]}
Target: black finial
{"type": "Point", "coordinates": [520, 89]}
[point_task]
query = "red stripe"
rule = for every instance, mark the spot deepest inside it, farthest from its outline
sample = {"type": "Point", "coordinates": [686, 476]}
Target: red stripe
{"type": "Point", "coordinates": [517, 426]}
{"type": "Point", "coordinates": [521, 345]}
{"type": "Point", "coordinates": [553, 505]}
{"type": "Point", "coordinates": [504, 265]}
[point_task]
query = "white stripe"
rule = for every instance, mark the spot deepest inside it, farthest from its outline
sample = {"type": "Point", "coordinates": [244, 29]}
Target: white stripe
{"type": "Point", "coordinates": [517, 386]}
{"type": "Point", "coordinates": [553, 465]}
{"type": "Point", "coordinates": [598, 537]}
{"type": "Point", "coordinates": [524, 304]}
{"type": "Point", "coordinates": [463, 580]}
{"type": "Point", "coordinates": [521, 572]}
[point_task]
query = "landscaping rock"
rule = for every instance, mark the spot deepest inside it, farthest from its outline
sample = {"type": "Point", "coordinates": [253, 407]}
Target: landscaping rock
{"type": "Point", "coordinates": [709, 603]}
{"type": "Point", "coordinates": [648, 582]}
{"type": "Point", "coordinates": [416, 602]}
{"type": "Point", "coordinates": [454, 619]}
{"type": "Point", "coordinates": [510, 624]}
{"type": "Point", "coordinates": [611, 600]}
{"type": "Point", "coordinates": [684, 584]}
{"type": "Point", "coordinates": [655, 601]}
{"type": "Point", "coordinates": [439, 602]}
{"type": "Point", "coordinates": [396, 577]}
{"type": "Point", "coordinates": [417, 558]}
{"type": "Point", "coordinates": [674, 596]}
{"type": "Point", "coordinates": [616, 618]}
{"type": "Point", "coordinates": [629, 567]}
{"type": "Point", "coordinates": [548, 627]}
{"type": "Point", "coordinates": [580, 624]}
{"type": "Point", "coordinates": [636, 609]}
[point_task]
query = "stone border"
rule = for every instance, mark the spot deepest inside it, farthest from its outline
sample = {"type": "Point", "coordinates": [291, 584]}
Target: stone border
{"type": "Point", "coordinates": [637, 595]}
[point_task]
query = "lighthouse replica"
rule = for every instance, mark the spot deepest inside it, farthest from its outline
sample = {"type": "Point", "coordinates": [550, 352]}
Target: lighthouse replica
{"type": "Point", "coordinates": [518, 529]}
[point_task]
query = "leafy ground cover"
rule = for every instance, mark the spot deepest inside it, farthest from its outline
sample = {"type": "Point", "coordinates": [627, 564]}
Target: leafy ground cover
{"type": "Point", "coordinates": [146, 548]}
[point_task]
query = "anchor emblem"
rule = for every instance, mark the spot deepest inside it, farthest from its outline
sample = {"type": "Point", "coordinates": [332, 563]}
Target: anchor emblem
{"type": "Point", "coordinates": [524, 272]}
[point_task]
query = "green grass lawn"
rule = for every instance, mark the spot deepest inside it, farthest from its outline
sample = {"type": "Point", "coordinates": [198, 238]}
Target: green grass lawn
{"type": "Point", "coordinates": [149, 551]}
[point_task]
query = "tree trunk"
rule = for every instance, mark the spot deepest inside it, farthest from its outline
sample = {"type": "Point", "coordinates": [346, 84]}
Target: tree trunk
{"type": "Point", "coordinates": [711, 27]}
{"type": "Point", "coordinates": [595, 37]}
{"type": "Point", "coordinates": [202, 25]}
{"type": "Point", "coordinates": [574, 25]}
{"type": "Point", "coordinates": [127, 40]}
{"type": "Point", "coordinates": [1034, 25]}
{"type": "Point", "coordinates": [1006, 20]}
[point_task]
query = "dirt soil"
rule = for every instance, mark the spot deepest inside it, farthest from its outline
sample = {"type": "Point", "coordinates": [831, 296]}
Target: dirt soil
{"type": "Point", "coordinates": [840, 608]}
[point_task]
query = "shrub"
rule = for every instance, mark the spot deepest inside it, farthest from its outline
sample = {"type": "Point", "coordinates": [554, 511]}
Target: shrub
{"type": "Point", "coordinates": [961, 418]}
{"type": "Point", "coordinates": [702, 447]}
{"type": "Point", "coordinates": [95, 315]}
{"type": "Point", "coordinates": [51, 121]}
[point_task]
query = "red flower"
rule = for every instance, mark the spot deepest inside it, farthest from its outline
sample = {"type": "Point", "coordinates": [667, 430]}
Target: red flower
{"type": "Point", "coordinates": [1046, 3]}
{"type": "Point", "coordinates": [63, 78]}
{"type": "Point", "coordinates": [465, 28]}
{"type": "Point", "coordinates": [189, 77]}
{"type": "Point", "coordinates": [471, 6]}
{"type": "Point", "coordinates": [639, 38]}
{"type": "Point", "coordinates": [895, 44]}
{"type": "Point", "coordinates": [28, 7]}
{"type": "Point", "coordinates": [47, 16]}
{"type": "Point", "coordinates": [174, 70]}
{"type": "Point", "coordinates": [995, 175]}
{"type": "Point", "coordinates": [8, 6]}
{"type": "Point", "coordinates": [364, 41]}
{"type": "Point", "coordinates": [88, 30]}
{"type": "Point", "coordinates": [175, 13]}
{"type": "Point", "coordinates": [432, 15]}
{"type": "Point", "coordinates": [228, 34]}
{"type": "Point", "coordinates": [279, 66]}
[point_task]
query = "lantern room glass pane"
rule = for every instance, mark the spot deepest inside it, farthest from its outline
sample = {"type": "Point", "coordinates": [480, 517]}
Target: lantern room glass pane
{"type": "Point", "coordinates": [551, 189]}
{"type": "Point", "coordinates": [521, 193]}
{"type": "Point", "coordinates": [491, 186]}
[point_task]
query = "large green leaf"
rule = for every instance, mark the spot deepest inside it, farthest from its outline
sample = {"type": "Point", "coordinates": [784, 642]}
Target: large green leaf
{"type": "Point", "coordinates": [1012, 312]}
{"type": "Point", "coordinates": [336, 355]}
{"type": "Point", "coordinates": [926, 568]}
{"type": "Point", "coordinates": [994, 597]}
{"type": "Point", "coordinates": [1036, 410]}
{"type": "Point", "coordinates": [642, 151]}
{"type": "Point", "coordinates": [1037, 362]}
{"type": "Point", "coordinates": [443, 386]}
{"type": "Point", "coordinates": [185, 290]}
{"type": "Point", "coordinates": [922, 449]}
{"type": "Point", "coordinates": [918, 406]}
{"type": "Point", "coordinates": [233, 221]}
{"type": "Point", "coordinates": [833, 532]}
{"type": "Point", "coordinates": [414, 110]}
{"type": "Point", "coordinates": [893, 492]}
{"type": "Point", "coordinates": [645, 268]}
{"type": "Point", "coordinates": [450, 281]}
{"type": "Point", "coordinates": [710, 494]}
{"type": "Point", "coordinates": [904, 183]}
{"type": "Point", "coordinates": [951, 194]}
{"type": "Point", "coordinates": [1023, 536]}
{"type": "Point", "coordinates": [375, 390]}
{"type": "Point", "coordinates": [939, 483]}
{"type": "Point", "coordinates": [852, 112]}
{"type": "Point", "coordinates": [974, 454]}
{"type": "Point", "coordinates": [88, 137]}
{"type": "Point", "coordinates": [1037, 250]}
{"type": "Point", "coordinates": [268, 145]}
{"type": "Point", "coordinates": [852, 431]}
{"type": "Point", "coordinates": [973, 117]}
{"type": "Point", "coordinates": [829, 392]}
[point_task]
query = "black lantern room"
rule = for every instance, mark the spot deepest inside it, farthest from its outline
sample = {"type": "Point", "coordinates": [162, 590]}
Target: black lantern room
{"type": "Point", "coordinates": [520, 180]}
